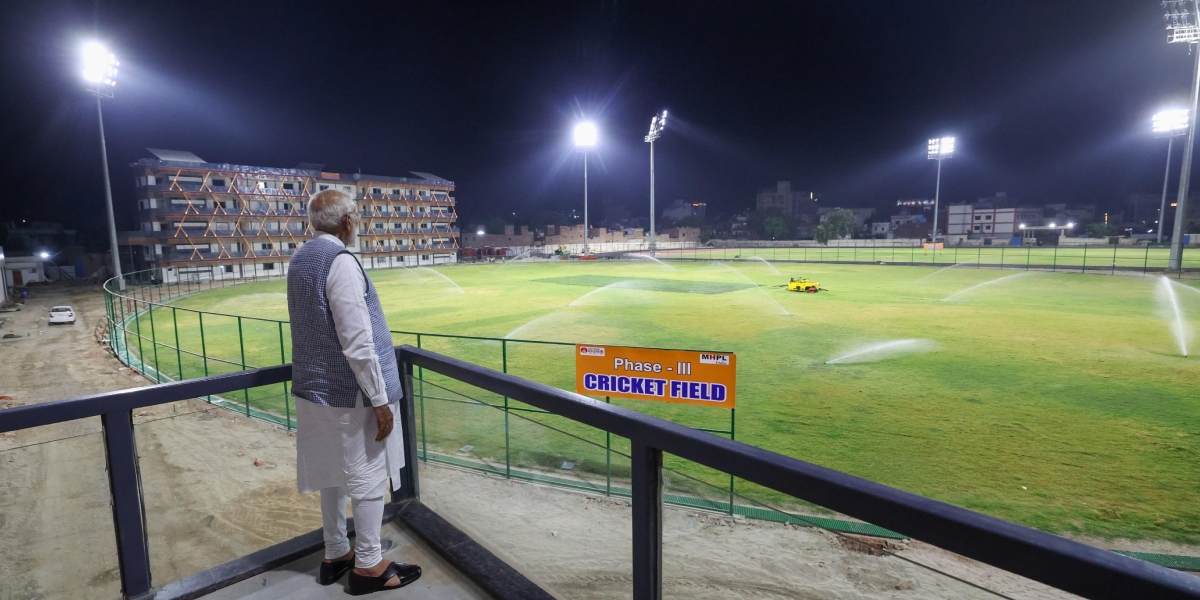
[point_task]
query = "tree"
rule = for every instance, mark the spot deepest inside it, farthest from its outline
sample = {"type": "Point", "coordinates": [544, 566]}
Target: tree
{"type": "Point", "coordinates": [838, 223]}
{"type": "Point", "coordinates": [1099, 230]}
{"type": "Point", "coordinates": [690, 221]}
{"type": "Point", "coordinates": [775, 228]}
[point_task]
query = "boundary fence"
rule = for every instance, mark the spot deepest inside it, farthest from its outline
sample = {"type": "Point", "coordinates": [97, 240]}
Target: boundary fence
{"type": "Point", "coordinates": [165, 342]}
{"type": "Point", "coordinates": [1085, 258]}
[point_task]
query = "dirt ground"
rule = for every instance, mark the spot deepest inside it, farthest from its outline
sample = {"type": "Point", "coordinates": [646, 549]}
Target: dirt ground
{"type": "Point", "coordinates": [206, 500]}
{"type": "Point", "coordinates": [219, 486]}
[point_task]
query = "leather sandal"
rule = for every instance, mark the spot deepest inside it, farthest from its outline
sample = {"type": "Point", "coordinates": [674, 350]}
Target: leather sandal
{"type": "Point", "coordinates": [333, 571]}
{"type": "Point", "coordinates": [365, 584]}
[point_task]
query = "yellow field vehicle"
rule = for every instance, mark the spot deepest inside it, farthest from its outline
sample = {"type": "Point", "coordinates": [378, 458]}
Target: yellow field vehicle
{"type": "Point", "coordinates": [803, 284]}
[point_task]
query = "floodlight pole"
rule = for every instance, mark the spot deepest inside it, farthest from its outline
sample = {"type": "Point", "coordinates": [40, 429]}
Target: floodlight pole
{"type": "Point", "coordinates": [652, 244]}
{"type": "Point", "coordinates": [937, 191]}
{"type": "Point", "coordinates": [1162, 211]}
{"type": "Point", "coordinates": [1175, 262]}
{"type": "Point", "coordinates": [585, 203]}
{"type": "Point", "coordinates": [108, 203]}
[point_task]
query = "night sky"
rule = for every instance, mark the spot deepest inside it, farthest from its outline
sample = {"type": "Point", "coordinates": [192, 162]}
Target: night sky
{"type": "Point", "coordinates": [1050, 99]}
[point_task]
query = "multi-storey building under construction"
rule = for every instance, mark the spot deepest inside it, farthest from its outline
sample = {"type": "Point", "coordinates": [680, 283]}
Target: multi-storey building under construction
{"type": "Point", "coordinates": [201, 220]}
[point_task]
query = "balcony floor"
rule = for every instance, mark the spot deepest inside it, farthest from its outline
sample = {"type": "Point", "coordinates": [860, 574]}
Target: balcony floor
{"type": "Point", "coordinates": [439, 580]}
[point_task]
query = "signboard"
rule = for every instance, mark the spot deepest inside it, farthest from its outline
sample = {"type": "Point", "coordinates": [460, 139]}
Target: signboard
{"type": "Point", "coordinates": [937, 246]}
{"type": "Point", "coordinates": [678, 376]}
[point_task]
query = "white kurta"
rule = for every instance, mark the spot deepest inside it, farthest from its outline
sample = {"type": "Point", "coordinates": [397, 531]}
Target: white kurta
{"type": "Point", "coordinates": [336, 447]}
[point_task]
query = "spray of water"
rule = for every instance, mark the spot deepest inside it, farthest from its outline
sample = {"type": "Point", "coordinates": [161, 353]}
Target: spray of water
{"type": "Point", "coordinates": [644, 257]}
{"type": "Point", "coordinates": [768, 263]}
{"type": "Point", "coordinates": [1186, 287]}
{"type": "Point", "coordinates": [885, 350]}
{"type": "Point", "coordinates": [619, 284]}
{"type": "Point", "coordinates": [979, 285]}
{"type": "Point", "coordinates": [764, 292]}
{"type": "Point", "coordinates": [1179, 326]}
{"type": "Point", "coordinates": [512, 260]}
{"type": "Point", "coordinates": [940, 270]}
{"type": "Point", "coordinates": [439, 274]}
{"type": "Point", "coordinates": [409, 271]}
{"type": "Point", "coordinates": [521, 330]}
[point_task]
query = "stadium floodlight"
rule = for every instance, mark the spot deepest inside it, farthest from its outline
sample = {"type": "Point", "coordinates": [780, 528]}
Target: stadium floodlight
{"type": "Point", "coordinates": [1169, 124]}
{"type": "Point", "coordinates": [939, 150]}
{"type": "Point", "coordinates": [657, 124]}
{"type": "Point", "coordinates": [1052, 224]}
{"type": "Point", "coordinates": [100, 77]}
{"type": "Point", "coordinates": [1183, 21]}
{"type": "Point", "coordinates": [99, 68]}
{"type": "Point", "coordinates": [44, 255]}
{"type": "Point", "coordinates": [1021, 226]}
{"type": "Point", "coordinates": [1070, 225]}
{"type": "Point", "coordinates": [479, 232]}
{"type": "Point", "coordinates": [586, 136]}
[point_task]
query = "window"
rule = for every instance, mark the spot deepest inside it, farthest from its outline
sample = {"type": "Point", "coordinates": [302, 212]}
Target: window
{"type": "Point", "coordinates": [218, 183]}
{"type": "Point", "coordinates": [289, 186]}
{"type": "Point", "coordinates": [291, 245]}
{"type": "Point", "coordinates": [379, 227]}
{"type": "Point", "coordinates": [987, 227]}
{"type": "Point", "coordinates": [322, 187]}
{"type": "Point", "coordinates": [395, 192]}
{"type": "Point", "coordinates": [978, 217]}
{"type": "Point", "coordinates": [987, 218]}
{"type": "Point", "coordinates": [376, 190]}
{"type": "Point", "coordinates": [267, 246]}
{"type": "Point", "coordinates": [268, 266]}
{"type": "Point", "coordinates": [976, 228]}
{"type": "Point", "coordinates": [226, 268]}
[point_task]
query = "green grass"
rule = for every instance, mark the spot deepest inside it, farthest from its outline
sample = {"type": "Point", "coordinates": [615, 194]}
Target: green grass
{"type": "Point", "coordinates": [1054, 400]}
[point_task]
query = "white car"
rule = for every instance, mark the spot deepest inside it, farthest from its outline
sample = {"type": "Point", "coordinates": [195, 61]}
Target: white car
{"type": "Point", "coordinates": [62, 314]}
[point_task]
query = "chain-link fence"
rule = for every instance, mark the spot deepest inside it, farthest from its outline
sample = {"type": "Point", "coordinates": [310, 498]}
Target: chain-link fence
{"type": "Point", "coordinates": [1083, 258]}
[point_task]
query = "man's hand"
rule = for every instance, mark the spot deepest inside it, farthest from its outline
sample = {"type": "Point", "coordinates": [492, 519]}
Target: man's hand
{"type": "Point", "coordinates": [383, 416]}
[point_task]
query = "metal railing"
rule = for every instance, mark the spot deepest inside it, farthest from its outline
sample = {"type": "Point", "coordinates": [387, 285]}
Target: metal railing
{"type": "Point", "coordinates": [1102, 258]}
{"type": "Point", "coordinates": [1052, 560]}
{"type": "Point", "coordinates": [166, 342]}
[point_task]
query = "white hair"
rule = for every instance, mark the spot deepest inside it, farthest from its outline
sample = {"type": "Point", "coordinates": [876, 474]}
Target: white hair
{"type": "Point", "coordinates": [326, 209]}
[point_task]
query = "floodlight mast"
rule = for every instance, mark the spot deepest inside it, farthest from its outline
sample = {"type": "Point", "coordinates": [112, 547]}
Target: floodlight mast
{"type": "Point", "coordinates": [1169, 124]}
{"type": "Point", "coordinates": [657, 124]}
{"type": "Point", "coordinates": [1183, 20]}
{"type": "Point", "coordinates": [585, 140]}
{"type": "Point", "coordinates": [939, 150]}
{"type": "Point", "coordinates": [100, 75]}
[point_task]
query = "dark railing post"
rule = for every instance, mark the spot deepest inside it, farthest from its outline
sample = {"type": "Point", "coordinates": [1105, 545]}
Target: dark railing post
{"type": "Point", "coordinates": [129, 515]}
{"type": "Point", "coordinates": [410, 484]}
{"type": "Point", "coordinates": [647, 522]}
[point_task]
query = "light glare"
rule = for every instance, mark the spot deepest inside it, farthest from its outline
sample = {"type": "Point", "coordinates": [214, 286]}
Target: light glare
{"type": "Point", "coordinates": [940, 148]}
{"type": "Point", "coordinates": [1171, 121]}
{"type": "Point", "coordinates": [586, 135]}
{"type": "Point", "coordinates": [99, 65]}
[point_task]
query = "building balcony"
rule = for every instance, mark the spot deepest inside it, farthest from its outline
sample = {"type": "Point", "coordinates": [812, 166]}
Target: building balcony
{"type": "Point", "coordinates": [230, 213]}
{"type": "Point", "coordinates": [190, 187]}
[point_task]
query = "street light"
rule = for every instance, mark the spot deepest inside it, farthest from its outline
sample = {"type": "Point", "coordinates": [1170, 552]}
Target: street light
{"type": "Point", "coordinates": [939, 150]}
{"type": "Point", "coordinates": [100, 75]}
{"type": "Point", "coordinates": [44, 255]}
{"type": "Point", "coordinates": [1183, 20]}
{"type": "Point", "coordinates": [1169, 124]}
{"type": "Point", "coordinates": [585, 140]}
{"type": "Point", "coordinates": [657, 124]}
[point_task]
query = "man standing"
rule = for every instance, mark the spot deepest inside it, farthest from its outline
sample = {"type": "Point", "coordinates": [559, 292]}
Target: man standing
{"type": "Point", "coordinates": [344, 372]}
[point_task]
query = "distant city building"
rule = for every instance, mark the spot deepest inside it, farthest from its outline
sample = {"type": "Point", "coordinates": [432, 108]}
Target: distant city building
{"type": "Point", "coordinates": [201, 220]}
{"type": "Point", "coordinates": [965, 221]}
{"type": "Point", "coordinates": [787, 202]}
